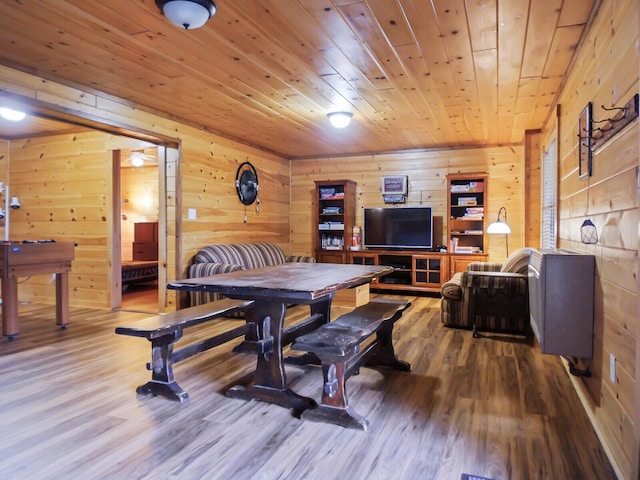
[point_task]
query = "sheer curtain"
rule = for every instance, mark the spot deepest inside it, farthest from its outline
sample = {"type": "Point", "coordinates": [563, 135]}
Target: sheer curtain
{"type": "Point", "coordinates": [549, 196]}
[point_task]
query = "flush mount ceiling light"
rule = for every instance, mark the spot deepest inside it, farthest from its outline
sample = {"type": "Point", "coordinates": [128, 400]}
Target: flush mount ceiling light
{"type": "Point", "coordinates": [340, 119]}
{"type": "Point", "coordinates": [187, 14]}
{"type": "Point", "coordinates": [10, 114]}
{"type": "Point", "coordinates": [137, 159]}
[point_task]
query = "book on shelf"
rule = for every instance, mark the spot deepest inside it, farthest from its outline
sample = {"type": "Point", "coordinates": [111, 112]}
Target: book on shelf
{"type": "Point", "coordinates": [331, 226]}
{"type": "Point", "coordinates": [471, 187]}
{"type": "Point", "coordinates": [474, 210]}
{"type": "Point", "coordinates": [456, 248]}
{"type": "Point", "coordinates": [461, 249]}
{"type": "Point", "coordinates": [464, 201]}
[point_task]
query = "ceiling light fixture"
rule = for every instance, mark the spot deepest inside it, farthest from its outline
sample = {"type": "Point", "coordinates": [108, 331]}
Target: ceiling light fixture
{"type": "Point", "coordinates": [340, 119]}
{"type": "Point", "coordinates": [10, 114]}
{"type": "Point", "coordinates": [137, 159]}
{"type": "Point", "coordinates": [187, 14]}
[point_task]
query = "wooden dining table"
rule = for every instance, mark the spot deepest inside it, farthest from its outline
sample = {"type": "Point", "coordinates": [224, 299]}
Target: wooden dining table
{"type": "Point", "coordinates": [273, 289]}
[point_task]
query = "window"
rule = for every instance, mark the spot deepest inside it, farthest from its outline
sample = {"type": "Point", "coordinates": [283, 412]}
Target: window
{"type": "Point", "coordinates": [549, 196]}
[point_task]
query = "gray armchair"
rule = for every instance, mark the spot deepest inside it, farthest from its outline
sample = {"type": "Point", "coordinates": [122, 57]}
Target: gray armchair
{"type": "Point", "coordinates": [489, 296]}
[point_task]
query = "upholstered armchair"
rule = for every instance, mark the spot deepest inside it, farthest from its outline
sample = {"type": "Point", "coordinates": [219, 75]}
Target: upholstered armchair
{"type": "Point", "coordinates": [489, 296]}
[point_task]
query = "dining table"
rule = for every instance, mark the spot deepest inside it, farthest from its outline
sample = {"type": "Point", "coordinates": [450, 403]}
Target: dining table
{"type": "Point", "coordinates": [273, 289]}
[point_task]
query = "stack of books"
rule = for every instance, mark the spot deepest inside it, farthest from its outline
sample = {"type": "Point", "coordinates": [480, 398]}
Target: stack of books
{"type": "Point", "coordinates": [473, 213]}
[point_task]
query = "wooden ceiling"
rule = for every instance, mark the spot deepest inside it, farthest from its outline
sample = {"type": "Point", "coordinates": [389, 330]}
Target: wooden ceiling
{"type": "Point", "coordinates": [414, 73]}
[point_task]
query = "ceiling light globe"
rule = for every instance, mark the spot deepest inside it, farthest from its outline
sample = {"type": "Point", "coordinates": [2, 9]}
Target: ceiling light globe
{"type": "Point", "coordinates": [340, 119]}
{"type": "Point", "coordinates": [187, 14]}
{"type": "Point", "coordinates": [137, 159]}
{"type": "Point", "coordinates": [12, 115]}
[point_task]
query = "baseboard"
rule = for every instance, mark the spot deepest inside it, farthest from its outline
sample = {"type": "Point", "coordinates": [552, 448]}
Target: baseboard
{"type": "Point", "coordinates": [586, 405]}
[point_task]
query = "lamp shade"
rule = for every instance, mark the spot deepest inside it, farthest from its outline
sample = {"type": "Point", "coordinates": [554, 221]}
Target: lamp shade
{"type": "Point", "coordinates": [499, 227]}
{"type": "Point", "coordinates": [188, 14]}
{"type": "Point", "coordinates": [340, 119]}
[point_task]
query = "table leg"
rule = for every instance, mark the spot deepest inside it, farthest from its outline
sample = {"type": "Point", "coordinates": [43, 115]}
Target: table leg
{"type": "Point", "coordinates": [321, 309]}
{"type": "Point", "coordinates": [270, 384]}
{"type": "Point", "coordinates": [10, 307]}
{"type": "Point", "coordinates": [62, 299]}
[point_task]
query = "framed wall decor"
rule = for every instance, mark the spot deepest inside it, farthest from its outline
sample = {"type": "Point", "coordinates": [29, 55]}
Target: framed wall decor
{"type": "Point", "coordinates": [394, 184]}
{"type": "Point", "coordinates": [584, 142]}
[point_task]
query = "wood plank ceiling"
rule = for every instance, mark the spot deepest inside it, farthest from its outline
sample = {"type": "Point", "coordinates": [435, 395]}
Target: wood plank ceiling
{"type": "Point", "coordinates": [414, 73]}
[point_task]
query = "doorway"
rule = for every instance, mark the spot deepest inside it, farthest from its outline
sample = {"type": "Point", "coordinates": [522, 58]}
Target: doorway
{"type": "Point", "coordinates": [139, 221]}
{"type": "Point", "coordinates": [116, 143]}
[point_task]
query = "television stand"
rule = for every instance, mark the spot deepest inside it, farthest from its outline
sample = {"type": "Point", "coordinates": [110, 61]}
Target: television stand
{"type": "Point", "coordinates": [414, 270]}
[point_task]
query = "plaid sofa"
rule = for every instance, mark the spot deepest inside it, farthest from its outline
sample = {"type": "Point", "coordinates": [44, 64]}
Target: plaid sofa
{"type": "Point", "coordinates": [507, 294]}
{"type": "Point", "coordinates": [214, 259]}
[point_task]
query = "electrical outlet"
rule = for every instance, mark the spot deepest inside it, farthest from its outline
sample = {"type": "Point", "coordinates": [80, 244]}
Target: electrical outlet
{"type": "Point", "coordinates": [612, 368]}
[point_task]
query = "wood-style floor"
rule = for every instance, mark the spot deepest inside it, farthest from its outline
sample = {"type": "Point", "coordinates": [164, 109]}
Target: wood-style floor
{"type": "Point", "coordinates": [141, 297]}
{"type": "Point", "coordinates": [492, 407]}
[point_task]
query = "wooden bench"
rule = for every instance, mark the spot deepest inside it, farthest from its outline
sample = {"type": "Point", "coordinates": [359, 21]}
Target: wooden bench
{"type": "Point", "coordinates": [165, 329]}
{"type": "Point", "coordinates": [340, 346]}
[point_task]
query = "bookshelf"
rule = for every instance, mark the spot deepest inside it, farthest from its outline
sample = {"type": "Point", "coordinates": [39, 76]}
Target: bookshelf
{"type": "Point", "coordinates": [335, 214]}
{"type": "Point", "coordinates": [466, 228]}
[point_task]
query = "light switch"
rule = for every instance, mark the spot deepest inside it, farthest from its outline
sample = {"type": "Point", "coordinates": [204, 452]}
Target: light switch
{"type": "Point", "coordinates": [191, 215]}
{"type": "Point", "coordinates": [612, 368]}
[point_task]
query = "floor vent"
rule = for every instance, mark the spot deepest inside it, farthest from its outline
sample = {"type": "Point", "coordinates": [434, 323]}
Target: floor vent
{"type": "Point", "coordinates": [467, 476]}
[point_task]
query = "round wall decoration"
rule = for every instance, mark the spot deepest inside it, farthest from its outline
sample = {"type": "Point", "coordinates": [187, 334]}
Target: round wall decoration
{"type": "Point", "coordinates": [247, 183]}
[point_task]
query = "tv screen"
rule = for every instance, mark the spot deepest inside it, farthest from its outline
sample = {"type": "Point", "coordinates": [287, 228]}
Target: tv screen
{"type": "Point", "coordinates": [406, 227]}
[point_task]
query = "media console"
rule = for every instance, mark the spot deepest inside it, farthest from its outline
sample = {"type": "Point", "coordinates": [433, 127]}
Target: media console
{"type": "Point", "coordinates": [414, 270]}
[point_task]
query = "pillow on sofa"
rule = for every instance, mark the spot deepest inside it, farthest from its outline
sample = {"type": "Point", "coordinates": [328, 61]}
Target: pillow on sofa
{"type": "Point", "coordinates": [518, 261]}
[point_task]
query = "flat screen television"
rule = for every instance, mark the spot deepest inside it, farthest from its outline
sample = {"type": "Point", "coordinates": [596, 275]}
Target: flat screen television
{"type": "Point", "coordinates": [398, 228]}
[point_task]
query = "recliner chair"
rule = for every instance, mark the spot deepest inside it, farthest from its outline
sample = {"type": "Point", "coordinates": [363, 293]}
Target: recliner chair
{"type": "Point", "coordinates": [489, 296]}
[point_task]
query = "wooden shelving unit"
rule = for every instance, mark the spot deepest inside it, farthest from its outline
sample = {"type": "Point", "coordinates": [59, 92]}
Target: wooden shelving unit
{"type": "Point", "coordinates": [467, 195]}
{"type": "Point", "coordinates": [335, 214]}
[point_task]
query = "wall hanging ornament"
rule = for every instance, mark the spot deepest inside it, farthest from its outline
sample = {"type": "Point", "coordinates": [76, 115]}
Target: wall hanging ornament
{"type": "Point", "coordinates": [247, 186]}
{"type": "Point", "coordinates": [588, 232]}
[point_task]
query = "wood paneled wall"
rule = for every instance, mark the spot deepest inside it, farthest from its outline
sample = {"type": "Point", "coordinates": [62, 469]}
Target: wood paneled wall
{"type": "Point", "coordinates": [427, 172]}
{"type": "Point", "coordinates": [64, 183]}
{"type": "Point", "coordinates": [204, 180]}
{"type": "Point", "coordinates": [606, 73]}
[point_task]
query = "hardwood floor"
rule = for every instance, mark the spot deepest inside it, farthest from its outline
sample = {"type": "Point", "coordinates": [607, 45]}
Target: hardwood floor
{"type": "Point", "coordinates": [493, 407]}
{"type": "Point", "coordinates": [141, 297]}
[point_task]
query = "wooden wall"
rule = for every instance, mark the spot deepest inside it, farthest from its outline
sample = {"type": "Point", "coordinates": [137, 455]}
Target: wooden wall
{"type": "Point", "coordinates": [64, 184]}
{"type": "Point", "coordinates": [606, 73]}
{"type": "Point", "coordinates": [203, 179]}
{"type": "Point", "coordinates": [427, 172]}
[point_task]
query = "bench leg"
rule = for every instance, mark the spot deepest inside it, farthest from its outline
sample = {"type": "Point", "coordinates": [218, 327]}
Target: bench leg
{"type": "Point", "coordinates": [162, 383]}
{"type": "Point", "coordinates": [385, 355]}
{"type": "Point", "coordinates": [334, 407]}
